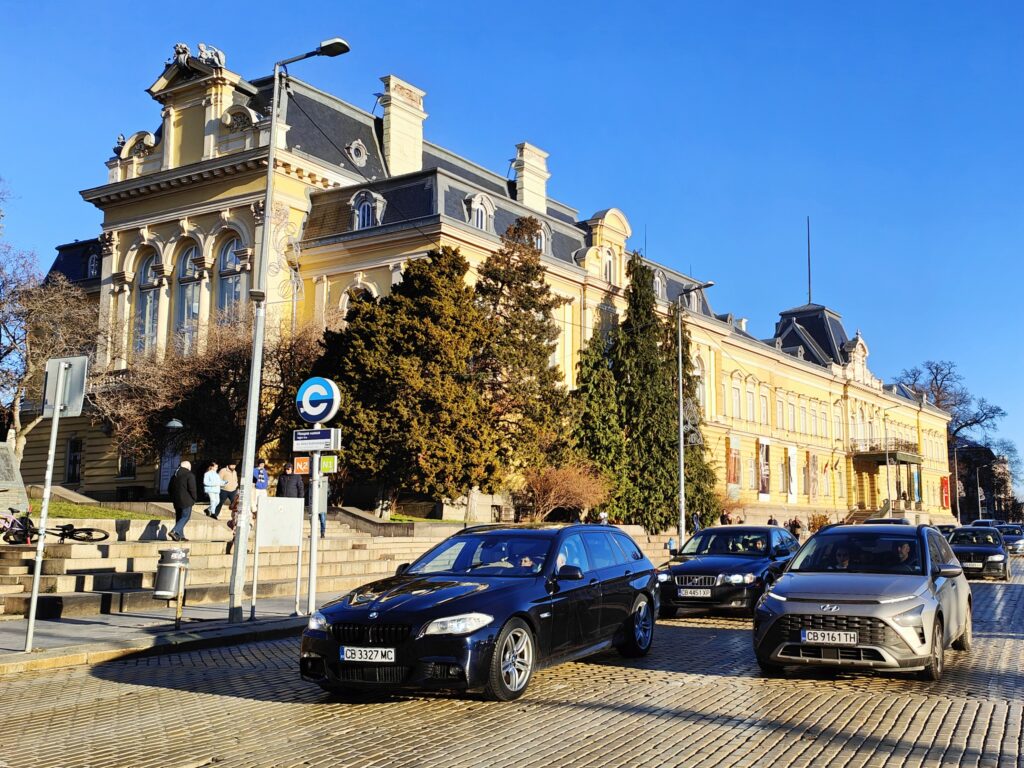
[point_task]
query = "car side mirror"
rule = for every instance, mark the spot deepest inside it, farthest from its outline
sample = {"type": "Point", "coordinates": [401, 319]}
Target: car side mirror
{"type": "Point", "coordinates": [673, 553]}
{"type": "Point", "coordinates": [948, 571]}
{"type": "Point", "coordinates": [401, 569]}
{"type": "Point", "coordinates": [569, 573]}
{"type": "Point", "coordinates": [780, 552]}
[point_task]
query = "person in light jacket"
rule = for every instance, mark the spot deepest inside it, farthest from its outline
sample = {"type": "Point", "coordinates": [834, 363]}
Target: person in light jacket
{"type": "Point", "coordinates": [212, 483]}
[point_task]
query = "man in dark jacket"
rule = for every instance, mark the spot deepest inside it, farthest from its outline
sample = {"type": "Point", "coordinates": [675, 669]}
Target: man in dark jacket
{"type": "Point", "coordinates": [290, 485]}
{"type": "Point", "coordinates": [182, 490]}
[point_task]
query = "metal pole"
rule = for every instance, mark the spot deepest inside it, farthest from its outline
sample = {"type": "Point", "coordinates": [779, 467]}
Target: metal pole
{"type": "Point", "coordinates": [37, 570]}
{"type": "Point", "coordinates": [255, 568]}
{"type": "Point", "coordinates": [180, 597]}
{"type": "Point", "coordinates": [977, 485]}
{"type": "Point", "coordinates": [314, 510]}
{"type": "Point", "coordinates": [258, 296]}
{"type": "Point", "coordinates": [956, 489]}
{"type": "Point", "coordinates": [885, 436]}
{"type": "Point", "coordinates": [682, 436]}
{"type": "Point", "coordinates": [298, 569]}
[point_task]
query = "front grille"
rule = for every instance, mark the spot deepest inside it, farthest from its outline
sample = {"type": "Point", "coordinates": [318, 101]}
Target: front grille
{"type": "Point", "coordinates": [389, 674]}
{"type": "Point", "coordinates": [696, 581]}
{"type": "Point", "coordinates": [835, 653]}
{"type": "Point", "coordinates": [388, 635]}
{"type": "Point", "coordinates": [870, 631]}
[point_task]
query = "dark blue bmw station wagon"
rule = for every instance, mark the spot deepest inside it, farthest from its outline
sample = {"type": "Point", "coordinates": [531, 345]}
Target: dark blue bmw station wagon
{"type": "Point", "coordinates": [485, 609]}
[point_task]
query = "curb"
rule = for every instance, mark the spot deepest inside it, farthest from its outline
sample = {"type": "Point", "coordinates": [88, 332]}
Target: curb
{"type": "Point", "coordinates": [169, 642]}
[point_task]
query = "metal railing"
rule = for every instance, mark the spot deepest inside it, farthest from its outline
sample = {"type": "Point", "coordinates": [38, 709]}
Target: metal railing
{"type": "Point", "coordinates": [881, 445]}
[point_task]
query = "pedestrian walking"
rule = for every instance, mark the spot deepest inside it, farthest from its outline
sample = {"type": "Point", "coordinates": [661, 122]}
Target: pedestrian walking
{"type": "Point", "coordinates": [182, 490]}
{"type": "Point", "coordinates": [772, 520]}
{"type": "Point", "coordinates": [798, 527]}
{"type": "Point", "coordinates": [260, 482]}
{"type": "Point", "coordinates": [695, 521]}
{"type": "Point", "coordinates": [290, 485]}
{"type": "Point", "coordinates": [229, 492]}
{"type": "Point", "coordinates": [725, 519]}
{"type": "Point", "coordinates": [212, 483]}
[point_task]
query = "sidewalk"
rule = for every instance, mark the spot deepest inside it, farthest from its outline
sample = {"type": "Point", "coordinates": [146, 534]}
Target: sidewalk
{"type": "Point", "coordinates": [69, 642]}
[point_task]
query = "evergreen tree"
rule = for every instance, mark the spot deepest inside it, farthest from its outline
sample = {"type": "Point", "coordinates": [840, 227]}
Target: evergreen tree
{"type": "Point", "coordinates": [701, 493]}
{"type": "Point", "coordinates": [514, 363]}
{"type": "Point", "coordinates": [597, 431]}
{"type": "Point", "coordinates": [413, 417]}
{"type": "Point", "coordinates": [647, 405]}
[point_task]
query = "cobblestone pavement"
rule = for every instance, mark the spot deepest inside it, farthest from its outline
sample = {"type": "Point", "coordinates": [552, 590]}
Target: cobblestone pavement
{"type": "Point", "coordinates": [697, 700]}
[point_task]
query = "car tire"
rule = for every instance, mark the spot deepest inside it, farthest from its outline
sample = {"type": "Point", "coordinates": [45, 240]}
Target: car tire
{"type": "Point", "coordinates": [512, 662]}
{"type": "Point", "coordinates": [768, 668]}
{"type": "Point", "coordinates": [1006, 572]}
{"type": "Point", "coordinates": [966, 639]}
{"type": "Point", "coordinates": [937, 661]}
{"type": "Point", "coordinates": [639, 629]}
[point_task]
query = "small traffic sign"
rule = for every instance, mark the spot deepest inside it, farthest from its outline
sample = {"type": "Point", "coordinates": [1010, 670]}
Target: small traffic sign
{"type": "Point", "coordinates": [305, 440]}
{"type": "Point", "coordinates": [301, 465]}
{"type": "Point", "coordinates": [317, 400]}
{"type": "Point", "coordinates": [328, 464]}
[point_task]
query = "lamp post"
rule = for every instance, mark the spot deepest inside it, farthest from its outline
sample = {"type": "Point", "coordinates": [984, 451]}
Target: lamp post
{"type": "Point", "coordinates": [682, 423]}
{"type": "Point", "coordinates": [258, 295]}
{"type": "Point", "coordinates": [885, 437]}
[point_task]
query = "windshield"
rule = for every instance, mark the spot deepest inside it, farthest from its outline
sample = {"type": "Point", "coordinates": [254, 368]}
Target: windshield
{"type": "Point", "coordinates": [485, 555]}
{"type": "Point", "coordinates": [725, 541]}
{"type": "Point", "coordinates": [982, 537]}
{"type": "Point", "coordinates": [1010, 530]}
{"type": "Point", "coordinates": [860, 553]}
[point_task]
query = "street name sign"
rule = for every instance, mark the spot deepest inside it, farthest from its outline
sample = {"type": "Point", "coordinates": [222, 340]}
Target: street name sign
{"type": "Point", "coordinates": [305, 440]}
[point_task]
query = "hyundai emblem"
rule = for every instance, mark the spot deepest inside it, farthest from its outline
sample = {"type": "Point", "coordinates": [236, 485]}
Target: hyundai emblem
{"type": "Point", "coordinates": [373, 614]}
{"type": "Point", "coordinates": [825, 607]}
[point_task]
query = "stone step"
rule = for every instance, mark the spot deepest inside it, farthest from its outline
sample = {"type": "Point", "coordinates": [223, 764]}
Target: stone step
{"type": "Point", "coordinates": [8, 579]}
{"type": "Point", "coordinates": [10, 589]}
{"type": "Point", "coordinates": [14, 570]}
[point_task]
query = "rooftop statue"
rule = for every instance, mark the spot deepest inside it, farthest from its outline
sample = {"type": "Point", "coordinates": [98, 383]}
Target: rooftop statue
{"type": "Point", "coordinates": [211, 56]}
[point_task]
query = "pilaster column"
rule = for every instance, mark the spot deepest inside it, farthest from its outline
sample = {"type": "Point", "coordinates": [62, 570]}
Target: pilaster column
{"type": "Point", "coordinates": [108, 243]}
{"type": "Point", "coordinates": [168, 139]}
{"type": "Point", "coordinates": [320, 287]}
{"type": "Point", "coordinates": [121, 328]}
{"type": "Point", "coordinates": [164, 323]}
{"type": "Point", "coordinates": [205, 266]}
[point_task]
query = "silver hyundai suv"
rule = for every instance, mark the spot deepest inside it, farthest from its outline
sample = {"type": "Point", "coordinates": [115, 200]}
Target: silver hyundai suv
{"type": "Point", "coordinates": [866, 596]}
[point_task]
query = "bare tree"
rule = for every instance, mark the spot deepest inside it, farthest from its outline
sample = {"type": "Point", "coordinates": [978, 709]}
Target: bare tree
{"type": "Point", "coordinates": [944, 385]}
{"type": "Point", "coordinates": [205, 387]}
{"type": "Point", "coordinates": [575, 487]}
{"type": "Point", "coordinates": [39, 319]}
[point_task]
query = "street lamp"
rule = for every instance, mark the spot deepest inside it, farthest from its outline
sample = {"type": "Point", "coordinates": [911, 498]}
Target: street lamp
{"type": "Point", "coordinates": [682, 423]}
{"type": "Point", "coordinates": [258, 295]}
{"type": "Point", "coordinates": [885, 437]}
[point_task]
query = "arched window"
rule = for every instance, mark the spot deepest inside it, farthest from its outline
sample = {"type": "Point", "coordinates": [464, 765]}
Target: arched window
{"type": "Point", "coordinates": [538, 240]}
{"type": "Point", "coordinates": [660, 285]}
{"type": "Point", "coordinates": [479, 218]}
{"type": "Point", "coordinates": [145, 307]}
{"type": "Point", "coordinates": [480, 211]}
{"type": "Point", "coordinates": [698, 375]}
{"type": "Point", "coordinates": [229, 279]}
{"type": "Point", "coordinates": [365, 218]}
{"type": "Point", "coordinates": [608, 267]}
{"type": "Point", "coordinates": [186, 320]}
{"type": "Point", "coordinates": [92, 267]}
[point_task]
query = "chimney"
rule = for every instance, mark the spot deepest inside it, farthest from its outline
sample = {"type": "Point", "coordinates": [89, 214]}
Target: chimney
{"type": "Point", "coordinates": [741, 323]}
{"type": "Point", "coordinates": [403, 125]}
{"type": "Point", "coordinates": [531, 167]}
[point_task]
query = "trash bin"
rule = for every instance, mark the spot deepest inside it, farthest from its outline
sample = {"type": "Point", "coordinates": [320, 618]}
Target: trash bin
{"type": "Point", "coordinates": [169, 573]}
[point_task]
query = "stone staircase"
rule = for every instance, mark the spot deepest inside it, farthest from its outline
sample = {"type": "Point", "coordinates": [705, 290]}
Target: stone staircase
{"type": "Point", "coordinates": [117, 575]}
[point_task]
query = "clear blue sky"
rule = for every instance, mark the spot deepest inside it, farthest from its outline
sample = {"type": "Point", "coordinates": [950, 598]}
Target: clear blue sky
{"type": "Point", "coordinates": [716, 127]}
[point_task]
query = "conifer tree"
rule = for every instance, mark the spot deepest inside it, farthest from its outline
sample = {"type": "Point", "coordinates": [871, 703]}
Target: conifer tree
{"type": "Point", "coordinates": [647, 405]}
{"type": "Point", "coordinates": [597, 431]}
{"type": "Point", "coordinates": [413, 418]}
{"type": "Point", "coordinates": [514, 363]}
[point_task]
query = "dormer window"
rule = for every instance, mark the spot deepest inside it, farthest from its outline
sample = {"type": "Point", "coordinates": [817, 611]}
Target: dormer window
{"type": "Point", "coordinates": [367, 209]}
{"type": "Point", "coordinates": [480, 212]}
{"type": "Point", "coordinates": [660, 283]}
{"type": "Point", "coordinates": [538, 241]}
{"type": "Point", "coordinates": [92, 266]}
{"type": "Point", "coordinates": [608, 266]}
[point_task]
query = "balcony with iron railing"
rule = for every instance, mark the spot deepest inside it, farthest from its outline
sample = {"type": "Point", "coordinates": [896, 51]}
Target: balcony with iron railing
{"type": "Point", "coordinates": [896, 449]}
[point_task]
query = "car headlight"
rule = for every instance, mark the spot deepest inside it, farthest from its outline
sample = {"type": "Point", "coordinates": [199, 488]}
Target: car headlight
{"type": "Point", "coordinates": [911, 618]}
{"type": "Point", "coordinates": [737, 578]}
{"type": "Point", "coordinates": [773, 596]}
{"type": "Point", "coordinates": [462, 624]}
{"type": "Point", "coordinates": [663, 577]}
{"type": "Point", "coordinates": [996, 558]}
{"type": "Point", "coordinates": [317, 622]}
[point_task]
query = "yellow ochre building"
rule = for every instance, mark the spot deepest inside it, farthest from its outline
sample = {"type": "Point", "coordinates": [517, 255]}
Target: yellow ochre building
{"type": "Point", "coordinates": [797, 424]}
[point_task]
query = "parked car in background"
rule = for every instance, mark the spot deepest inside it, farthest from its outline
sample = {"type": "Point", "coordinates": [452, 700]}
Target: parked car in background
{"type": "Point", "coordinates": [981, 552]}
{"type": "Point", "coordinates": [485, 609]}
{"type": "Point", "coordinates": [1013, 538]}
{"type": "Point", "coordinates": [887, 521]}
{"type": "Point", "coordinates": [987, 523]}
{"type": "Point", "coordinates": [725, 567]}
{"type": "Point", "coordinates": [945, 530]}
{"type": "Point", "coordinates": [868, 597]}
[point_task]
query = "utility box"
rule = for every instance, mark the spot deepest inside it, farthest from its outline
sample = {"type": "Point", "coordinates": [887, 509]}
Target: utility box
{"type": "Point", "coordinates": [170, 574]}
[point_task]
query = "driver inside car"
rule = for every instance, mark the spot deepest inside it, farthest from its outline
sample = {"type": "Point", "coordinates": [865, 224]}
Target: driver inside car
{"type": "Point", "coordinates": [904, 557]}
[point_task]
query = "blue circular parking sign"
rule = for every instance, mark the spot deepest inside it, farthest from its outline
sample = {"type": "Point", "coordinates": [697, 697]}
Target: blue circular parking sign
{"type": "Point", "coordinates": [317, 400]}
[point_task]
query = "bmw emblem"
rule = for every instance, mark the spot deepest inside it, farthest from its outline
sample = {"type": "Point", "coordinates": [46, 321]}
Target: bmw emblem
{"type": "Point", "coordinates": [373, 614]}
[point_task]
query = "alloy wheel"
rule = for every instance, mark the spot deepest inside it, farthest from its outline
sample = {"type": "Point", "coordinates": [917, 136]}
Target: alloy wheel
{"type": "Point", "coordinates": [516, 659]}
{"type": "Point", "coordinates": [643, 624]}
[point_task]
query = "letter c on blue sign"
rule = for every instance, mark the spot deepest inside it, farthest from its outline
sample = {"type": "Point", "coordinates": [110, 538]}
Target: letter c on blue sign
{"type": "Point", "coordinates": [317, 400]}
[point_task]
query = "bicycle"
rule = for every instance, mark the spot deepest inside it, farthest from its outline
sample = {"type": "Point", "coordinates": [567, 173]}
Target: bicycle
{"type": "Point", "coordinates": [20, 530]}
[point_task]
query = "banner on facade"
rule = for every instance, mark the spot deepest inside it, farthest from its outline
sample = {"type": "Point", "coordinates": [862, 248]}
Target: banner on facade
{"type": "Point", "coordinates": [764, 469]}
{"type": "Point", "coordinates": [813, 475]}
{"type": "Point", "coordinates": [944, 488]}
